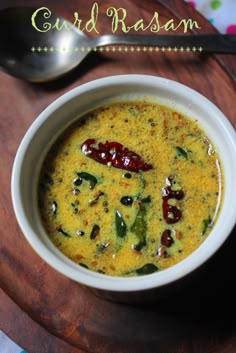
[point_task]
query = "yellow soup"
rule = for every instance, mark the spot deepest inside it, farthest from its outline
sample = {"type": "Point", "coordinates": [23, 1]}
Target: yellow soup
{"type": "Point", "coordinates": [130, 189]}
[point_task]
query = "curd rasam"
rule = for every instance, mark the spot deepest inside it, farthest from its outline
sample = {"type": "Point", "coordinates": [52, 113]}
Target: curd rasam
{"type": "Point", "coordinates": [130, 189]}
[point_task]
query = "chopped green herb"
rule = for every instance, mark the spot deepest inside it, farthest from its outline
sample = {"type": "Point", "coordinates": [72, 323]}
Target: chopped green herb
{"type": "Point", "coordinates": [181, 152]}
{"type": "Point", "coordinates": [88, 177]}
{"type": "Point", "coordinates": [133, 111]}
{"type": "Point", "coordinates": [83, 265]}
{"type": "Point", "coordinates": [60, 230]}
{"type": "Point", "coordinates": [206, 224]}
{"type": "Point", "coordinates": [147, 199]}
{"type": "Point", "coordinates": [142, 181]}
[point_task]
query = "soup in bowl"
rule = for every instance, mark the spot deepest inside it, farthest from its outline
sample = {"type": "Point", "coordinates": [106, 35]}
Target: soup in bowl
{"type": "Point", "coordinates": [124, 183]}
{"type": "Point", "coordinates": [130, 188]}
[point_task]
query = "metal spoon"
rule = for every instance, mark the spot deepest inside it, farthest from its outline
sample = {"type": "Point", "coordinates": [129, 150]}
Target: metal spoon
{"type": "Point", "coordinates": [66, 48]}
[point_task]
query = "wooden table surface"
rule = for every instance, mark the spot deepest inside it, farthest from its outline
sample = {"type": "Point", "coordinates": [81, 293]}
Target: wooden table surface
{"type": "Point", "coordinates": [46, 313]}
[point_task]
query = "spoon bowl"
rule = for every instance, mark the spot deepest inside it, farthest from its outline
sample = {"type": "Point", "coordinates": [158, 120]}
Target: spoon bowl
{"type": "Point", "coordinates": [19, 43]}
{"type": "Point", "coordinates": [38, 56]}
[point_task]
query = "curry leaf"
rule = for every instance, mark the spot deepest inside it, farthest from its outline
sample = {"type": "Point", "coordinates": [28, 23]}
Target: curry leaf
{"type": "Point", "coordinates": [139, 227]}
{"type": "Point", "coordinates": [121, 228]}
{"type": "Point", "coordinates": [88, 177]}
{"type": "Point", "coordinates": [147, 269]}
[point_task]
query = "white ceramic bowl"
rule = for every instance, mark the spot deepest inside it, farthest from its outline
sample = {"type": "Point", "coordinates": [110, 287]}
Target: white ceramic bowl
{"type": "Point", "coordinates": [75, 103]}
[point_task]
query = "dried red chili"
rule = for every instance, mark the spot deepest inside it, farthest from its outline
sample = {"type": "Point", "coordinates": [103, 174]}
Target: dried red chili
{"type": "Point", "coordinates": [115, 154]}
{"type": "Point", "coordinates": [166, 238]}
{"type": "Point", "coordinates": [171, 213]}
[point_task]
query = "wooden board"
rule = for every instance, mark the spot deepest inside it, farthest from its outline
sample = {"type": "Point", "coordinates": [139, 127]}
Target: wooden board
{"type": "Point", "coordinates": [200, 318]}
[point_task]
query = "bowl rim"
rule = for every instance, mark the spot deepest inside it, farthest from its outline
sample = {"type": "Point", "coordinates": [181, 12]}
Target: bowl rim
{"type": "Point", "coordinates": [87, 277]}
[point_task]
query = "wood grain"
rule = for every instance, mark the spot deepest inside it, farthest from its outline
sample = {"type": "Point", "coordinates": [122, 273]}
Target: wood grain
{"type": "Point", "coordinates": [22, 329]}
{"type": "Point", "coordinates": [187, 322]}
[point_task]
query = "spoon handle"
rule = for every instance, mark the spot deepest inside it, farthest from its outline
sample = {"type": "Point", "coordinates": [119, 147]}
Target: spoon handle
{"type": "Point", "coordinates": [211, 43]}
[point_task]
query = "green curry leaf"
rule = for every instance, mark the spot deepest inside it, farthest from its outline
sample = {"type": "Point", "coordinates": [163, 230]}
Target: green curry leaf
{"type": "Point", "coordinates": [139, 227]}
{"type": "Point", "coordinates": [146, 269]}
{"type": "Point", "coordinates": [121, 227]}
{"type": "Point", "coordinates": [88, 177]}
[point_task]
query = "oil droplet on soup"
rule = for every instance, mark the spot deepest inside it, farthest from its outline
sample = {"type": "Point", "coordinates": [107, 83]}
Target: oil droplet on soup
{"type": "Point", "coordinates": [130, 189]}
